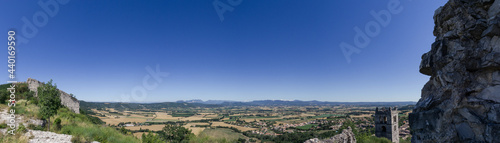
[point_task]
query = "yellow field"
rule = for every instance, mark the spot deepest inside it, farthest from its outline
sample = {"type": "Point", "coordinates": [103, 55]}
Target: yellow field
{"type": "Point", "coordinates": [160, 116]}
{"type": "Point", "coordinates": [139, 134]}
{"type": "Point", "coordinates": [152, 127]}
{"type": "Point", "coordinates": [257, 119]}
{"type": "Point", "coordinates": [305, 115]}
{"type": "Point", "coordinates": [211, 116]}
{"type": "Point", "coordinates": [195, 130]}
{"type": "Point", "coordinates": [139, 116]}
{"type": "Point", "coordinates": [111, 110]}
{"type": "Point", "coordinates": [193, 118]}
{"type": "Point", "coordinates": [113, 121]}
{"type": "Point", "coordinates": [229, 125]}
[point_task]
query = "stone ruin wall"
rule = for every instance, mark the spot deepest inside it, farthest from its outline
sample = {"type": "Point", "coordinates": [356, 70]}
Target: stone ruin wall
{"type": "Point", "coordinates": [66, 99]}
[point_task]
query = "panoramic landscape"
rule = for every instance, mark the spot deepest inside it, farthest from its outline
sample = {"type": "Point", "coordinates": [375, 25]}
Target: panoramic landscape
{"type": "Point", "coordinates": [236, 71]}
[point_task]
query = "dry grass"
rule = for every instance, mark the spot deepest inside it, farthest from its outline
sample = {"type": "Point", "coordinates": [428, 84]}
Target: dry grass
{"type": "Point", "coordinates": [165, 116]}
{"type": "Point", "coordinates": [257, 119]}
{"type": "Point", "coordinates": [139, 134]}
{"type": "Point", "coordinates": [219, 133]}
{"type": "Point", "coordinates": [212, 116]}
{"type": "Point", "coordinates": [193, 118]}
{"type": "Point", "coordinates": [195, 130]}
{"type": "Point", "coordinates": [305, 115]}
{"type": "Point", "coordinates": [113, 121]}
{"type": "Point", "coordinates": [112, 110]}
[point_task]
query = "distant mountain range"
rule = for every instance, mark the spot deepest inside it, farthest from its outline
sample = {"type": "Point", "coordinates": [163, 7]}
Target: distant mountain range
{"type": "Point", "coordinates": [292, 103]}
{"type": "Point", "coordinates": [221, 103]}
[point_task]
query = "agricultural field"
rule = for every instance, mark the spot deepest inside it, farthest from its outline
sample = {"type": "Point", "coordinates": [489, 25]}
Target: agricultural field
{"type": "Point", "coordinates": [223, 124]}
{"type": "Point", "coordinates": [230, 123]}
{"type": "Point", "coordinates": [150, 127]}
{"type": "Point", "coordinates": [223, 134]}
{"type": "Point", "coordinates": [196, 128]}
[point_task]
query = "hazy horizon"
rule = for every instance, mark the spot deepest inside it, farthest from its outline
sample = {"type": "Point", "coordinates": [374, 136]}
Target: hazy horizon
{"type": "Point", "coordinates": [244, 101]}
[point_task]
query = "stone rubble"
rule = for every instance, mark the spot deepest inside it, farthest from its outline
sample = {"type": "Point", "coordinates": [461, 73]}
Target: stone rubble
{"type": "Point", "coordinates": [347, 136]}
{"type": "Point", "coordinates": [47, 137]}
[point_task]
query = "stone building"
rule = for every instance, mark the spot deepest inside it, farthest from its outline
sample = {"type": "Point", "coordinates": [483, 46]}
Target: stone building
{"type": "Point", "coordinates": [386, 123]}
{"type": "Point", "coordinates": [66, 99]}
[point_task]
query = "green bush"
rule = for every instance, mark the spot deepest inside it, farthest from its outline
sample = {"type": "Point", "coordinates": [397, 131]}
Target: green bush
{"type": "Point", "coordinates": [35, 127]}
{"type": "Point", "coordinates": [175, 133]}
{"type": "Point", "coordinates": [151, 138]}
{"type": "Point", "coordinates": [57, 123]}
{"type": "Point", "coordinates": [21, 129]}
{"type": "Point", "coordinates": [3, 125]}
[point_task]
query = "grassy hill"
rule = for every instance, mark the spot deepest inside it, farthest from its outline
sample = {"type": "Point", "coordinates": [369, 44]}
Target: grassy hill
{"type": "Point", "coordinates": [83, 127]}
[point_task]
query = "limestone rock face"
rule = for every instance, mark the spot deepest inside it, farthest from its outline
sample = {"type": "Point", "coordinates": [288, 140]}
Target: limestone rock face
{"type": "Point", "coordinates": [461, 100]}
{"type": "Point", "coordinates": [347, 136]}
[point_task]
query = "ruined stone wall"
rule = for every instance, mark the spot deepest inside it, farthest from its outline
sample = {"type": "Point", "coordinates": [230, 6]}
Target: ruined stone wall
{"type": "Point", "coordinates": [33, 85]}
{"type": "Point", "coordinates": [461, 100]}
{"type": "Point", "coordinates": [69, 101]}
{"type": "Point", "coordinates": [66, 99]}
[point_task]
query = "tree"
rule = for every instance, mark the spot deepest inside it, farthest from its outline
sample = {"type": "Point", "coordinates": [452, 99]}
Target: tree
{"type": "Point", "coordinates": [123, 130]}
{"type": "Point", "coordinates": [49, 100]}
{"type": "Point", "coordinates": [151, 138]}
{"type": "Point", "coordinates": [241, 140]}
{"type": "Point", "coordinates": [174, 133]}
{"type": "Point", "coordinates": [4, 94]}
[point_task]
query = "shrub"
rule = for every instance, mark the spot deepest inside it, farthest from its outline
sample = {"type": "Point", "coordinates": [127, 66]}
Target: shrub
{"type": "Point", "coordinates": [151, 138]}
{"type": "Point", "coordinates": [57, 123]}
{"type": "Point", "coordinates": [35, 127]}
{"type": "Point", "coordinates": [3, 125]}
{"type": "Point", "coordinates": [21, 128]}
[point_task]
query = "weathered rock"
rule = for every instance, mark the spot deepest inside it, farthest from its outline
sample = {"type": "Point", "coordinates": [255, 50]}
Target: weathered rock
{"type": "Point", "coordinates": [347, 136]}
{"type": "Point", "coordinates": [47, 137]}
{"type": "Point", "coordinates": [461, 100]}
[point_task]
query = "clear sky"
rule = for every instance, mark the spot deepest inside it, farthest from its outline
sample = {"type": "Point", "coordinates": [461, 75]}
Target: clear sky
{"type": "Point", "coordinates": [263, 49]}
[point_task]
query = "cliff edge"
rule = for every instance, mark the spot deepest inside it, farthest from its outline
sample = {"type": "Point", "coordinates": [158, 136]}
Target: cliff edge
{"type": "Point", "coordinates": [461, 100]}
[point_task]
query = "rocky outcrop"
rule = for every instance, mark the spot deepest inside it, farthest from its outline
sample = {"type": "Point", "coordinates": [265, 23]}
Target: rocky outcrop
{"type": "Point", "coordinates": [47, 137]}
{"type": "Point", "coordinates": [66, 99]}
{"type": "Point", "coordinates": [461, 100]}
{"type": "Point", "coordinates": [345, 137]}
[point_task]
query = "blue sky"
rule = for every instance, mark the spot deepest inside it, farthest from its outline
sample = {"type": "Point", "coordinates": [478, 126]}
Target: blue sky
{"type": "Point", "coordinates": [98, 50]}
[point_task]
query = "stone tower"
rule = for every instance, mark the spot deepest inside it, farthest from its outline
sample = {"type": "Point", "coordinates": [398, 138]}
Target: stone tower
{"type": "Point", "coordinates": [386, 123]}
